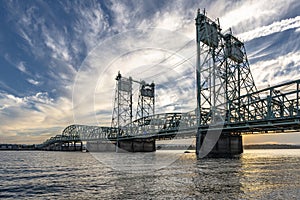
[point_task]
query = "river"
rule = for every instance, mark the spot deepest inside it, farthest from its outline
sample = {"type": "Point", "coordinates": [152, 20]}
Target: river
{"type": "Point", "coordinates": [257, 174]}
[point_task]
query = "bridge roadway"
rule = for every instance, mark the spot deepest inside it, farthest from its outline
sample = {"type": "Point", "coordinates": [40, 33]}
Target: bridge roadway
{"type": "Point", "coordinates": [277, 109]}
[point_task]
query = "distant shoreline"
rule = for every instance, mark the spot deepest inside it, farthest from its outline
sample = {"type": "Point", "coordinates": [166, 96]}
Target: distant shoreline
{"type": "Point", "coordinates": [247, 146]}
{"type": "Point", "coordinates": [271, 146]}
{"type": "Point", "coordinates": [16, 147]}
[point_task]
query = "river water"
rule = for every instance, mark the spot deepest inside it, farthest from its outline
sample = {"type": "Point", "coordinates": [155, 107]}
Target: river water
{"type": "Point", "coordinates": [257, 174]}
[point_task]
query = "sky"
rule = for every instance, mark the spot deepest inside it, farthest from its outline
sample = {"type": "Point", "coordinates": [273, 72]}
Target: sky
{"type": "Point", "coordinates": [59, 59]}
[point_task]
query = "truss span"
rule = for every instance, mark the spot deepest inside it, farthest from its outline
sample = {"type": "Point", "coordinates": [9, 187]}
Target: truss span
{"type": "Point", "coordinates": [87, 133]}
{"type": "Point", "coordinates": [276, 109]}
{"type": "Point", "coordinates": [150, 126]}
{"type": "Point", "coordinates": [159, 125]}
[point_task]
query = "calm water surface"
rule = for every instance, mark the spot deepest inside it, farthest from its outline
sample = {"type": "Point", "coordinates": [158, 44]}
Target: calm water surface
{"type": "Point", "coordinates": [257, 174]}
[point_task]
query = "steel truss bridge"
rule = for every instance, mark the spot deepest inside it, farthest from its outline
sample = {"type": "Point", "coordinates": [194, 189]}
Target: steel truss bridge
{"type": "Point", "coordinates": [279, 111]}
{"type": "Point", "coordinates": [225, 89]}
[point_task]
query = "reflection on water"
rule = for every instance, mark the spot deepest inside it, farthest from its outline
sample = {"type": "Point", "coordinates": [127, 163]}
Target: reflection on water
{"type": "Point", "coordinates": [138, 162]}
{"type": "Point", "coordinates": [257, 174]}
{"type": "Point", "coordinates": [271, 174]}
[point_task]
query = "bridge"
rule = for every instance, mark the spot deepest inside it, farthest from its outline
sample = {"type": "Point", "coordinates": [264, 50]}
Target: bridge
{"type": "Point", "coordinates": [228, 104]}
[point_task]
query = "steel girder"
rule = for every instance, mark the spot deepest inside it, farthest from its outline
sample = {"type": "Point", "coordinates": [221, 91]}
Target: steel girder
{"type": "Point", "coordinates": [87, 133]}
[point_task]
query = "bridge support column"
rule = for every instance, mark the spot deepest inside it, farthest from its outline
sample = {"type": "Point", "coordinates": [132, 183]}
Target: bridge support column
{"type": "Point", "coordinates": [136, 145]}
{"type": "Point", "coordinates": [228, 145]}
{"type": "Point", "coordinates": [59, 146]}
{"type": "Point", "coordinates": [74, 146]}
{"type": "Point", "coordinates": [101, 146]}
{"type": "Point", "coordinates": [198, 145]}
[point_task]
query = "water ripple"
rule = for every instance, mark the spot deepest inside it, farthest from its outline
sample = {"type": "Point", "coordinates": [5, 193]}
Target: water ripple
{"type": "Point", "coordinates": [257, 174]}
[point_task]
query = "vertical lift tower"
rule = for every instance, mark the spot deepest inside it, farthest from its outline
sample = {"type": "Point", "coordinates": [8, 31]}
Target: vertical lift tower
{"type": "Point", "coordinates": [122, 119]}
{"type": "Point", "coordinates": [122, 112]}
{"type": "Point", "coordinates": [222, 76]}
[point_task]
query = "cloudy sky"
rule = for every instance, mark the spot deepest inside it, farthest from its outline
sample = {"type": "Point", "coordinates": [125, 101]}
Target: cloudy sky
{"type": "Point", "coordinates": [58, 59]}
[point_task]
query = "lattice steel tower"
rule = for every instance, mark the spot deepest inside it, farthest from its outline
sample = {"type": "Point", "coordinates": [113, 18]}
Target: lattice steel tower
{"type": "Point", "coordinates": [223, 74]}
{"type": "Point", "coordinates": [122, 112]}
{"type": "Point", "coordinates": [146, 102]}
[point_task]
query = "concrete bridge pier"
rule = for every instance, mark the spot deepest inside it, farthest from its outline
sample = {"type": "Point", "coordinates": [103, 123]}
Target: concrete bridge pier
{"type": "Point", "coordinates": [76, 147]}
{"type": "Point", "coordinates": [228, 145]}
{"type": "Point", "coordinates": [136, 145]}
{"type": "Point", "coordinates": [101, 146]}
{"type": "Point", "coordinates": [70, 146]}
{"type": "Point", "coordinates": [58, 146]}
{"type": "Point", "coordinates": [66, 146]}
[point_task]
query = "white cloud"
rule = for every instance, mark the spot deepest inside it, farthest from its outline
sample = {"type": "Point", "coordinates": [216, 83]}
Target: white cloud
{"type": "Point", "coordinates": [89, 27]}
{"type": "Point", "coordinates": [27, 118]}
{"type": "Point", "coordinates": [11, 98]}
{"type": "Point", "coordinates": [22, 67]}
{"type": "Point", "coordinates": [45, 37]}
{"type": "Point", "coordinates": [26, 37]}
{"type": "Point", "coordinates": [283, 69]}
{"type": "Point", "coordinates": [33, 82]}
{"type": "Point", "coordinates": [247, 15]}
{"type": "Point", "coordinates": [123, 14]}
{"type": "Point", "coordinates": [279, 26]}
{"type": "Point", "coordinates": [3, 107]}
{"type": "Point", "coordinates": [56, 42]}
{"type": "Point", "coordinates": [146, 54]}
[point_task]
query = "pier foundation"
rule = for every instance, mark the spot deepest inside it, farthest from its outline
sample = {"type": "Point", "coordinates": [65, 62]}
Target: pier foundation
{"type": "Point", "coordinates": [101, 146]}
{"type": "Point", "coordinates": [228, 145]}
{"type": "Point", "coordinates": [136, 145]}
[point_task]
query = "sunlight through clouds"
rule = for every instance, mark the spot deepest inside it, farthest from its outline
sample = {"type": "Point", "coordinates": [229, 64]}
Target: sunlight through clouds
{"type": "Point", "coordinates": [55, 51]}
{"type": "Point", "coordinates": [30, 115]}
{"type": "Point", "coordinates": [136, 53]}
